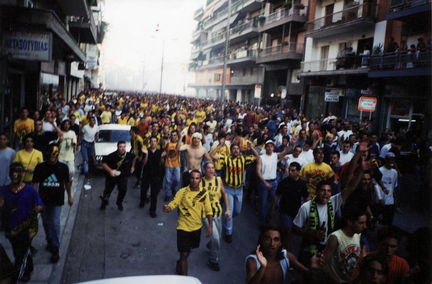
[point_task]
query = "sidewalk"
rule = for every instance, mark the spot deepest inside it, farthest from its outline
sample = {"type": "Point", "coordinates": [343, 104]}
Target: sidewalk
{"type": "Point", "coordinates": [44, 271]}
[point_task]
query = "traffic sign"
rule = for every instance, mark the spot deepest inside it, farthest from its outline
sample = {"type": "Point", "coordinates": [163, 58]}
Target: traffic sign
{"type": "Point", "coordinates": [367, 104]}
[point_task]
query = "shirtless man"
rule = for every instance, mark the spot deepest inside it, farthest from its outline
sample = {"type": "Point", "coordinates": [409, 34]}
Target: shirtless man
{"type": "Point", "coordinates": [270, 263]}
{"type": "Point", "coordinates": [194, 155]}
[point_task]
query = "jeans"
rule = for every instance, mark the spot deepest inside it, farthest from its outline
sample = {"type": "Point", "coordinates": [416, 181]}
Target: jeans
{"type": "Point", "coordinates": [171, 181]}
{"type": "Point", "coordinates": [265, 196]}
{"type": "Point", "coordinates": [214, 242]}
{"type": "Point", "coordinates": [21, 254]}
{"type": "Point", "coordinates": [235, 199]}
{"type": "Point", "coordinates": [88, 153]}
{"type": "Point", "coordinates": [51, 224]}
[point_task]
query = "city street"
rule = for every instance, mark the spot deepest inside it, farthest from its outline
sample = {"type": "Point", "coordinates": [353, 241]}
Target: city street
{"type": "Point", "coordinates": [112, 243]}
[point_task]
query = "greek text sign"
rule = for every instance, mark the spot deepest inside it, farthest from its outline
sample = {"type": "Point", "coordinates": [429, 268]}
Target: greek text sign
{"type": "Point", "coordinates": [28, 46]}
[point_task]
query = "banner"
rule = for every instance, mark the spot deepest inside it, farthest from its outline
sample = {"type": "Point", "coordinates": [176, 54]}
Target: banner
{"type": "Point", "coordinates": [28, 46]}
{"type": "Point", "coordinates": [367, 104]}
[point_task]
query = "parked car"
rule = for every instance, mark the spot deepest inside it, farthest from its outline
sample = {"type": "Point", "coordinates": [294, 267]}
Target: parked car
{"type": "Point", "coordinates": [151, 279]}
{"type": "Point", "coordinates": [109, 135]}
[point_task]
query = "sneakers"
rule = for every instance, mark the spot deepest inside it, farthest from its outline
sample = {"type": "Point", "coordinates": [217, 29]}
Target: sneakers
{"type": "Point", "coordinates": [120, 206]}
{"type": "Point", "coordinates": [55, 257]}
{"type": "Point", "coordinates": [228, 238]}
{"type": "Point", "coordinates": [141, 204]}
{"type": "Point", "coordinates": [213, 266]}
{"type": "Point", "coordinates": [153, 214]}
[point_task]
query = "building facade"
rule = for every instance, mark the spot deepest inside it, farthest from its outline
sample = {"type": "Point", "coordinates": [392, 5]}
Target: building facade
{"type": "Point", "coordinates": [43, 52]}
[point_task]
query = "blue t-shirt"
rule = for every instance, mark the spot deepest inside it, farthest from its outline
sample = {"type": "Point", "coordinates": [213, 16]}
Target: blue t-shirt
{"type": "Point", "coordinates": [7, 155]}
{"type": "Point", "coordinates": [17, 211]}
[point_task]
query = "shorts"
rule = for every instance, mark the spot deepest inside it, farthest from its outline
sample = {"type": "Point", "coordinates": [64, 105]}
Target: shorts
{"type": "Point", "coordinates": [188, 240]}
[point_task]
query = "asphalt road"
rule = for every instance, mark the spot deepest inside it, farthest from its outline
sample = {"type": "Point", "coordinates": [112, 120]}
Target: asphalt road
{"type": "Point", "coordinates": [112, 243]}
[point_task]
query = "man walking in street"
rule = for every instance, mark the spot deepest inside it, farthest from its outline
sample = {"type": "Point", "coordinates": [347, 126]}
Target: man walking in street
{"type": "Point", "coordinates": [213, 185]}
{"type": "Point", "coordinates": [193, 203]}
{"type": "Point", "coordinates": [118, 166]}
{"type": "Point", "coordinates": [53, 179]}
{"type": "Point", "coordinates": [234, 167]}
{"type": "Point", "coordinates": [7, 155]}
{"type": "Point", "coordinates": [152, 175]}
{"type": "Point", "coordinates": [89, 134]}
{"type": "Point", "coordinates": [171, 181]}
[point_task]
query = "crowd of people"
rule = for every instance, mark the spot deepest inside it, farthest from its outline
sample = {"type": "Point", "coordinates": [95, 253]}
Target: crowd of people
{"type": "Point", "coordinates": [333, 183]}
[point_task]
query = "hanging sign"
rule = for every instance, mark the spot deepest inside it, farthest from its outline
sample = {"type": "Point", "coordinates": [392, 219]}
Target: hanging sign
{"type": "Point", "coordinates": [367, 104]}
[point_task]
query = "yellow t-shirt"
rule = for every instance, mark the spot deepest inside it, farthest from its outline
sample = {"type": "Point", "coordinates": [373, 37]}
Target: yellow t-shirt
{"type": "Point", "coordinates": [122, 120]}
{"type": "Point", "coordinates": [131, 121]}
{"type": "Point", "coordinates": [23, 127]}
{"type": "Point", "coordinates": [223, 151]}
{"type": "Point", "coordinates": [138, 144]}
{"type": "Point", "coordinates": [106, 117]}
{"type": "Point", "coordinates": [213, 187]}
{"type": "Point", "coordinates": [29, 160]}
{"type": "Point", "coordinates": [314, 173]}
{"type": "Point", "coordinates": [200, 116]}
{"type": "Point", "coordinates": [192, 205]}
{"type": "Point", "coordinates": [173, 156]}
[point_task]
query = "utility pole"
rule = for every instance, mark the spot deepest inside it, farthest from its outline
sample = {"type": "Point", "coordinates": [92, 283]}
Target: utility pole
{"type": "Point", "coordinates": [227, 35]}
{"type": "Point", "coordinates": [162, 65]}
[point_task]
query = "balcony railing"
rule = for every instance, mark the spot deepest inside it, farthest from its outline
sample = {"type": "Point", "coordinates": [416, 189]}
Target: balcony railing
{"type": "Point", "coordinates": [365, 10]}
{"type": "Point", "coordinates": [214, 39]}
{"type": "Point", "coordinates": [242, 27]}
{"type": "Point", "coordinates": [397, 5]}
{"type": "Point", "coordinates": [216, 17]}
{"type": "Point", "coordinates": [292, 47]}
{"type": "Point", "coordinates": [283, 13]}
{"type": "Point", "coordinates": [400, 60]}
{"type": "Point", "coordinates": [243, 54]}
{"type": "Point", "coordinates": [216, 60]}
{"type": "Point", "coordinates": [350, 62]}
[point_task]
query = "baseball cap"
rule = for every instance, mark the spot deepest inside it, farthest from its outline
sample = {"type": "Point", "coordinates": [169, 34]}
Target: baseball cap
{"type": "Point", "coordinates": [390, 155]}
{"type": "Point", "coordinates": [269, 142]}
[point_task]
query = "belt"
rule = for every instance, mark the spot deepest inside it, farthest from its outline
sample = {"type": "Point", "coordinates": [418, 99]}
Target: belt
{"type": "Point", "coordinates": [88, 142]}
{"type": "Point", "coordinates": [270, 180]}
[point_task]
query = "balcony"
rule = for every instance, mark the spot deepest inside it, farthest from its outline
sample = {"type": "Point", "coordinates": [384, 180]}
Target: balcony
{"type": "Point", "coordinates": [245, 6]}
{"type": "Point", "coordinates": [84, 29]}
{"type": "Point", "coordinates": [356, 18]}
{"type": "Point", "coordinates": [216, 18]}
{"type": "Point", "coordinates": [283, 16]}
{"type": "Point", "coordinates": [350, 64]}
{"type": "Point", "coordinates": [405, 8]}
{"type": "Point", "coordinates": [216, 41]}
{"type": "Point", "coordinates": [289, 51]}
{"type": "Point", "coordinates": [400, 64]}
{"type": "Point", "coordinates": [198, 13]}
{"type": "Point", "coordinates": [242, 57]}
{"type": "Point", "coordinates": [244, 31]}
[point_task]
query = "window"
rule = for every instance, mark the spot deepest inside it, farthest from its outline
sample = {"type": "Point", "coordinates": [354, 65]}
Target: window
{"type": "Point", "coordinates": [113, 136]}
{"type": "Point", "coordinates": [294, 76]}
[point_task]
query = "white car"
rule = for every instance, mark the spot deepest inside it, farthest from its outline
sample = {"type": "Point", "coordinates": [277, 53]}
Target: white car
{"type": "Point", "coordinates": [151, 279]}
{"type": "Point", "coordinates": [109, 135]}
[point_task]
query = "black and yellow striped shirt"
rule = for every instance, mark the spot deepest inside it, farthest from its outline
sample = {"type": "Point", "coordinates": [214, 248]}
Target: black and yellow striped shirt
{"type": "Point", "coordinates": [213, 187]}
{"type": "Point", "coordinates": [234, 169]}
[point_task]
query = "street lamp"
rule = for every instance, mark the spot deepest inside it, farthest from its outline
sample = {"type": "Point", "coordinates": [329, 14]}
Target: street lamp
{"type": "Point", "coordinates": [226, 54]}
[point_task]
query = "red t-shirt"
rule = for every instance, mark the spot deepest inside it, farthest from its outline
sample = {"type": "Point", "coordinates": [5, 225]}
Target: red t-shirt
{"type": "Point", "coordinates": [398, 269]}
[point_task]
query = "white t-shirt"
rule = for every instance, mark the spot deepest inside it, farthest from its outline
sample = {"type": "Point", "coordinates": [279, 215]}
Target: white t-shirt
{"type": "Point", "coordinates": [390, 182]}
{"type": "Point", "coordinates": [208, 141]}
{"type": "Point", "coordinates": [66, 146]}
{"type": "Point", "coordinates": [211, 125]}
{"type": "Point", "coordinates": [344, 134]}
{"type": "Point", "coordinates": [269, 166]}
{"type": "Point", "coordinates": [303, 213]}
{"type": "Point", "coordinates": [89, 133]}
{"type": "Point", "coordinates": [307, 156]}
{"type": "Point", "coordinates": [48, 126]}
{"type": "Point", "coordinates": [345, 158]}
{"type": "Point", "coordinates": [290, 158]}
{"type": "Point", "coordinates": [384, 150]}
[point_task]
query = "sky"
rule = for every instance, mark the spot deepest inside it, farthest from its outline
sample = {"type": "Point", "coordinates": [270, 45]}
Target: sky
{"type": "Point", "coordinates": [131, 52]}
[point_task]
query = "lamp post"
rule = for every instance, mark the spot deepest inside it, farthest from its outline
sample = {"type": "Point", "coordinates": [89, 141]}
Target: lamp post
{"type": "Point", "coordinates": [162, 66]}
{"type": "Point", "coordinates": [226, 54]}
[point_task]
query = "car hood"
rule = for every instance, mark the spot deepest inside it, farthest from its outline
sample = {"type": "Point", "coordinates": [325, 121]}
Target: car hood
{"type": "Point", "coordinates": [104, 149]}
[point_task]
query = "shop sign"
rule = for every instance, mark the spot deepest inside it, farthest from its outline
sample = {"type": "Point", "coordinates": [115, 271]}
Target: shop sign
{"type": "Point", "coordinates": [28, 46]}
{"type": "Point", "coordinates": [367, 104]}
{"type": "Point", "coordinates": [331, 97]}
{"type": "Point", "coordinates": [257, 93]}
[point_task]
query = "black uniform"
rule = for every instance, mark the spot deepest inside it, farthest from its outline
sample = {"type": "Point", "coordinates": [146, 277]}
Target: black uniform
{"type": "Point", "coordinates": [121, 163]}
{"type": "Point", "coordinates": [152, 176]}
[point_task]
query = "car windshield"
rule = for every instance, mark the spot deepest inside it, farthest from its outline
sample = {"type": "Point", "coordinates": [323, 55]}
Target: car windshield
{"type": "Point", "coordinates": [114, 136]}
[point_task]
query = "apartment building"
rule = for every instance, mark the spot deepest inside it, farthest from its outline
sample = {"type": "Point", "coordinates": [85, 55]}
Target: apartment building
{"type": "Point", "coordinates": [209, 39]}
{"type": "Point", "coordinates": [361, 48]}
{"type": "Point", "coordinates": [43, 51]}
{"type": "Point", "coordinates": [401, 71]}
